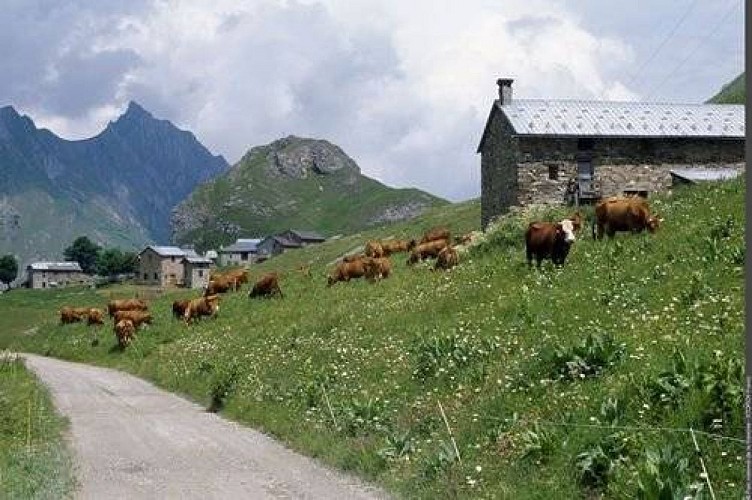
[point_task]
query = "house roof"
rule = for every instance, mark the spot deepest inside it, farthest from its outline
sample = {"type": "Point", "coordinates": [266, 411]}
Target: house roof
{"type": "Point", "coordinates": [308, 235]}
{"type": "Point", "coordinates": [242, 245]}
{"type": "Point", "coordinates": [55, 266]}
{"type": "Point", "coordinates": [578, 118]}
{"type": "Point", "coordinates": [287, 243]}
{"type": "Point", "coordinates": [705, 174]}
{"type": "Point", "coordinates": [211, 254]}
{"type": "Point", "coordinates": [166, 251]}
{"type": "Point", "coordinates": [197, 259]}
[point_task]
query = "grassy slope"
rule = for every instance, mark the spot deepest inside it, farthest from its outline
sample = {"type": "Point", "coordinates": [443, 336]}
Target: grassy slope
{"type": "Point", "coordinates": [484, 338]}
{"type": "Point", "coordinates": [34, 462]}
{"type": "Point", "coordinates": [732, 93]}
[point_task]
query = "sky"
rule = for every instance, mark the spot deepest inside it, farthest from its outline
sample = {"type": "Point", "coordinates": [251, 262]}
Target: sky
{"type": "Point", "coordinates": [404, 87]}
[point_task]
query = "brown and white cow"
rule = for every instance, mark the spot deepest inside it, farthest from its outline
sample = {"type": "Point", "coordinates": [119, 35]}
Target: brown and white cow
{"type": "Point", "coordinates": [623, 214]}
{"type": "Point", "coordinates": [95, 317]}
{"type": "Point", "coordinates": [549, 240]}
{"type": "Point", "coordinates": [126, 305]}
{"type": "Point", "coordinates": [138, 318]}
{"type": "Point", "coordinates": [377, 268]}
{"type": "Point", "coordinates": [374, 249]}
{"type": "Point", "coordinates": [202, 306]}
{"type": "Point", "coordinates": [345, 271]}
{"type": "Point", "coordinates": [266, 286]}
{"type": "Point", "coordinates": [447, 258]}
{"type": "Point", "coordinates": [179, 307]}
{"type": "Point", "coordinates": [124, 332]}
{"type": "Point", "coordinates": [426, 250]}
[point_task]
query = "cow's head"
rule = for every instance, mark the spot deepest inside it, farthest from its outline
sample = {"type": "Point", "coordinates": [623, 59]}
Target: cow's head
{"type": "Point", "coordinates": [654, 223]}
{"type": "Point", "coordinates": [565, 230]}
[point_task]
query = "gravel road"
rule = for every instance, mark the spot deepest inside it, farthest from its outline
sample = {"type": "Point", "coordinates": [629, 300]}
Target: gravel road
{"type": "Point", "coordinates": [133, 440]}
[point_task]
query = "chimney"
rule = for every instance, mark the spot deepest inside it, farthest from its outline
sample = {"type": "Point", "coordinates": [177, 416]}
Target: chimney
{"type": "Point", "coordinates": [505, 90]}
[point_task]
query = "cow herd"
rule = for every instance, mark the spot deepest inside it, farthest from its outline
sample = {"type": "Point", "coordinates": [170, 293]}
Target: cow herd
{"type": "Point", "coordinates": [543, 240]}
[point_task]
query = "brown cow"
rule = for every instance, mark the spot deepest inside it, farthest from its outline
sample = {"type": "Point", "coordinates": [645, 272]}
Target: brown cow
{"type": "Point", "coordinates": [464, 239]}
{"type": "Point", "coordinates": [549, 240]}
{"type": "Point", "coordinates": [179, 307]}
{"type": "Point", "coordinates": [447, 258]}
{"type": "Point", "coordinates": [222, 284]}
{"type": "Point", "coordinates": [426, 250]}
{"type": "Point", "coordinates": [124, 332]}
{"type": "Point", "coordinates": [266, 286]}
{"type": "Point", "coordinates": [623, 214]}
{"type": "Point", "coordinates": [354, 257]}
{"type": "Point", "coordinates": [396, 246]}
{"type": "Point", "coordinates": [136, 317]}
{"type": "Point", "coordinates": [435, 234]}
{"type": "Point", "coordinates": [377, 268]}
{"type": "Point", "coordinates": [203, 306]}
{"type": "Point", "coordinates": [95, 317]}
{"type": "Point", "coordinates": [345, 271]}
{"type": "Point", "coordinates": [240, 275]}
{"type": "Point", "coordinates": [126, 305]}
{"type": "Point", "coordinates": [374, 249]}
{"type": "Point", "coordinates": [73, 314]}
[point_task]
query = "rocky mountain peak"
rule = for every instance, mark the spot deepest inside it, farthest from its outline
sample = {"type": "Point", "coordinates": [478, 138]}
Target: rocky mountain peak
{"type": "Point", "coordinates": [299, 157]}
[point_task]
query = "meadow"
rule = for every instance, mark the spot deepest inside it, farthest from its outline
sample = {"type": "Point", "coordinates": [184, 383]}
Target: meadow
{"type": "Point", "coordinates": [492, 380]}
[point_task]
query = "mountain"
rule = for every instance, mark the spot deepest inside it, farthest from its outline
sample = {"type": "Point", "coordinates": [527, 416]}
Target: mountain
{"type": "Point", "coordinates": [292, 183]}
{"type": "Point", "coordinates": [732, 93]}
{"type": "Point", "coordinates": [118, 187]}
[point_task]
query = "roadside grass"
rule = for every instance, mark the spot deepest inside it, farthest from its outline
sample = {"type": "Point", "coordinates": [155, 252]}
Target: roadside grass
{"type": "Point", "coordinates": [554, 382]}
{"type": "Point", "coordinates": [34, 462]}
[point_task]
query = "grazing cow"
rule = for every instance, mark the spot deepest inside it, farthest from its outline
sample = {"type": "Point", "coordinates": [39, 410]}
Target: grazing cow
{"type": "Point", "coordinates": [435, 234]}
{"type": "Point", "coordinates": [377, 268]}
{"type": "Point", "coordinates": [426, 250]}
{"type": "Point", "coordinates": [266, 286]}
{"type": "Point", "coordinates": [354, 257]}
{"type": "Point", "coordinates": [95, 317]}
{"type": "Point", "coordinates": [396, 246]}
{"type": "Point", "coordinates": [124, 332]}
{"type": "Point", "coordinates": [623, 214]}
{"type": "Point", "coordinates": [464, 239]}
{"type": "Point", "coordinates": [222, 284]}
{"type": "Point", "coordinates": [345, 271]}
{"type": "Point", "coordinates": [549, 240]}
{"type": "Point", "coordinates": [576, 219]}
{"type": "Point", "coordinates": [179, 307]}
{"type": "Point", "coordinates": [374, 249]}
{"type": "Point", "coordinates": [203, 306]}
{"type": "Point", "coordinates": [73, 314]}
{"type": "Point", "coordinates": [240, 275]}
{"type": "Point", "coordinates": [136, 317]}
{"type": "Point", "coordinates": [126, 305]}
{"type": "Point", "coordinates": [447, 258]}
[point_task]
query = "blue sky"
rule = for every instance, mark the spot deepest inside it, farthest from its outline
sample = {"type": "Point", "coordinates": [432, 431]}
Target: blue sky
{"type": "Point", "coordinates": [403, 87]}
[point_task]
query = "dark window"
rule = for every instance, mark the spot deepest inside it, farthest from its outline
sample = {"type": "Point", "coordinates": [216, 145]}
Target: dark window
{"type": "Point", "coordinates": [156, 276]}
{"type": "Point", "coordinates": [244, 256]}
{"type": "Point", "coordinates": [146, 276]}
{"type": "Point", "coordinates": [585, 144]}
{"type": "Point", "coordinates": [553, 172]}
{"type": "Point", "coordinates": [200, 273]}
{"type": "Point", "coordinates": [172, 259]}
{"type": "Point", "coordinates": [44, 285]}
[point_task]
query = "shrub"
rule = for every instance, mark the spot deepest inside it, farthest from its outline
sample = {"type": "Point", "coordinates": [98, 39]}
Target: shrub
{"type": "Point", "coordinates": [222, 385]}
{"type": "Point", "coordinates": [663, 474]}
{"type": "Point", "coordinates": [721, 383]}
{"type": "Point", "coordinates": [669, 387]}
{"type": "Point", "coordinates": [590, 358]}
{"type": "Point", "coordinates": [597, 464]}
{"type": "Point", "coordinates": [537, 443]}
{"type": "Point", "coordinates": [446, 354]}
{"type": "Point", "coordinates": [398, 446]}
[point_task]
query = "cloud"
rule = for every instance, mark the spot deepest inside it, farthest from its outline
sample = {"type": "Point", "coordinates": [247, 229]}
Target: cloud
{"type": "Point", "coordinates": [403, 87]}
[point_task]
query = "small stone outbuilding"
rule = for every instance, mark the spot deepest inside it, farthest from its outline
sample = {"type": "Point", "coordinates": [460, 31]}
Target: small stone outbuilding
{"type": "Point", "coordinates": [556, 151]}
{"type": "Point", "coordinates": [161, 266]}
{"type": "Point", "coordinates": [196, 271]}
{"type": "Point", "coordinates": [55, 275]}
{"type": "Point", "coordinates": [244, 251]}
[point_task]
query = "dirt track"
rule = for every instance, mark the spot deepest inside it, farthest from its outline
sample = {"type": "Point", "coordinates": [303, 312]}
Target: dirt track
{"type": "Point", "coordinates": [133, 440]}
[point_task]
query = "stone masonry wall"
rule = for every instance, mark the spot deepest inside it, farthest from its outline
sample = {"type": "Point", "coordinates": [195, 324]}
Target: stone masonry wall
{"type": "Point", "coordinates": [498, 169]}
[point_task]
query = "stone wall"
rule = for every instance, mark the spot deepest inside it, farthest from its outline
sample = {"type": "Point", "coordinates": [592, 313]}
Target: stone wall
{"type": "Point", "coordinates": [498, 169]}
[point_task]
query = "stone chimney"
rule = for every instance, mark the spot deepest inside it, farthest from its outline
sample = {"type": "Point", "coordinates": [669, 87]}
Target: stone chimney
{"type": "Point", "coordinates": [505, 90]}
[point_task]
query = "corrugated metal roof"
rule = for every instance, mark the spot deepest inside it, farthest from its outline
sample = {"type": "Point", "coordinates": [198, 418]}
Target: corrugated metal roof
{"type": "Point", "coordinates": [241, 246]}
{"type": "Point", "coordinates": [624, 119]}
{"type": "Point", "coordinates": [55, 266]}
{"type": "Point", "coordinates": [705, 174]}
{"type": "Point", "coordinates": [308, 235]}
{"type": "Point", "coordinates": [196, 259]}
{"type": "Point", "coordinates": [167, 251]}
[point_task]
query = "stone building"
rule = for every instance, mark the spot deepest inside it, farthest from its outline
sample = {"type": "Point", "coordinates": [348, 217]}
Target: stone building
{"type": "Point", "coordinates": [275, 245]}
{"type": "Point", "coordinates": [303, 237]}
{"type": "Point", "coordinates": [552, 151]}
{"type": "Point", "coordinates": [196, 271]}
{"type": "Point", "coordinates": [243, 251]}
{"type": "Point", "coordinates": [161, 266]}
{"type": "Point", "coordinates": [55, 274]}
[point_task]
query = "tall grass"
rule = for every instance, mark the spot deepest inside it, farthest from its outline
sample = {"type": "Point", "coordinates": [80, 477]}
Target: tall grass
{"type": "Point", "coordinates": [354, 373]}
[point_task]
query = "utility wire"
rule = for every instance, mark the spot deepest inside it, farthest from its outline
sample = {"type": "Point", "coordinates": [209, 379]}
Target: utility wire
{"type": "Point", "coordinates": [704, 39]}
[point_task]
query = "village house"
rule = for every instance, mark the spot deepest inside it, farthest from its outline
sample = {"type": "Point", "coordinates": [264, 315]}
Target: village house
{"type": "Point", "coordinates": [243, 251]}
{"type": "Point", "coordinates": [196, 271]}
{"type": "Point", "coordinates": [304, 238]}
{"type": "Point", "coordinates": [275, 245]}
{"type": "Point", "coordinates": [553, 151]}
{"type": "Point", "coordinates": [161, 266]}
{"type": "Point", "coordinates": [55, 274]}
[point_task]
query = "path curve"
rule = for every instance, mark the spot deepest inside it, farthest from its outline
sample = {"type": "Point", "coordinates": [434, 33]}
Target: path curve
{"type": "Point", "coordinates": [133, 440]}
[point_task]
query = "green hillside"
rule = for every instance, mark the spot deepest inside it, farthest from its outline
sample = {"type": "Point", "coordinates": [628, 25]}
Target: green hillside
{"type": "Point", "coordinates": [292, 183]}
{"type": "Point", "coordinates": [556, 383]}
{"type": "Point", "coordinates": [732, 93]}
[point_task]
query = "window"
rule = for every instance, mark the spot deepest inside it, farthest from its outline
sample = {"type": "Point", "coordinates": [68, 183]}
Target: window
{"type": "Point", "coordinates": [146, 276]}
{"type": "Point", "coordinates": [200, 273]}
{"type": "Point", "coordinates": [172, 259]}
{"type": "Point", "coordinates": [553, 172]}
{"type": "Point", "coordinates": [244, 256]}
{"type": "Point", "coordinates": [156, 276]}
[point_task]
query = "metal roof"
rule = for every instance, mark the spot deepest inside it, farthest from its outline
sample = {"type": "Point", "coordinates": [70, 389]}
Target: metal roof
{"type": "Point", "coordinates": [705, 174]}
{"type": "Point", "coordinates": [242, 245]}
{"type": "Point", "coordinates": [55, 266]}
{"type": "Point", "coordinates": [308, 235]}
{"type": "Point", "coordinates": [166, 251]}
{"type": "Point", "coordinates": [623, 119]}
{"type": "Point", "coordinates": [197, 259]}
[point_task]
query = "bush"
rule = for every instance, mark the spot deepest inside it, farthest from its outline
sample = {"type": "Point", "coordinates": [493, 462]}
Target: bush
{"type": "Point", "coordinates": [445, 355]}
{"type": "Point", "coordinates": [663, 475]}
{"type": "Point", "coordinates": [721, 383]}
{"type": "Point", "coordinates": [590, 358]}
{"type": "Point", "coordinates": [222, 385]}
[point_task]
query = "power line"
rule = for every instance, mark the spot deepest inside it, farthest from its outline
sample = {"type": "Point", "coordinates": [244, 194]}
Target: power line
{"type": "Point", "coordinates": [662, 44]}
{"type": "Point", "coordinates": [681, 63]}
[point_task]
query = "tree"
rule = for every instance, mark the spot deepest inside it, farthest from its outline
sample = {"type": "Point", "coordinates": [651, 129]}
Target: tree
{"type": "Point", "coordinates": [112, 261]}
{"type": "Point", "coordinates": [8, 269]}
{"type": "Point", "coordinates": [85, 252]}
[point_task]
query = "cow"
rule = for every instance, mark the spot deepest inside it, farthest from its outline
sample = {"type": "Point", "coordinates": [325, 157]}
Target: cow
{"type": "Point", "coordinates": [549, 240]}
{"type": "Point", "coordinates": [124, 332]}
{"type": "Point", "coordinates": [178, 307]}
{"type": "Point", "coordinates": [240, 275]}
{"type": "Point", "coordinates": [464, 239]}
{"type": "Point", "coordinates": [426, 250]}
{"type": "Point", "coordinates": [447, 258]}
{"type": "Point", "coordinates": [138, 318]}
{"type": "Point", "coordinates": [623, 214]}
{"type": "Point", "coordinates": [435, 234]}
{"type": "Point", "coordinates": [377, 268]}
{"type": "Point", "coordinates": [345, 271]}
{"type": "Point", "coordinates": [266, 286]}
{"type": "Point", "coordinates": [396, 246]}
{"type": "Point", "coordinates": [222, 284]}
{"type": "Point", "coordinates": [203, 306]}
{"type": "Point", "coordinates": [374, 249]}
{"type": "Point", "coordinates": [94, 316]}
{"type": "Point", "coordinates": [73, 314]}
{"type": "Point", "coordinates": [576, 219]}
{"type": "Point", "coordinates": [126, 305]}
{"type": "Point", "coordinates": [353, 257]}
